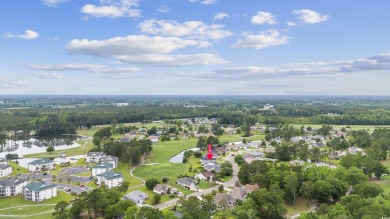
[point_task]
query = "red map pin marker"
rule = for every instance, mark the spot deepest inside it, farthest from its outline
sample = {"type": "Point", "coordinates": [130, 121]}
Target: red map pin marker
{"type": "Point", "coordinates": [210, 152]}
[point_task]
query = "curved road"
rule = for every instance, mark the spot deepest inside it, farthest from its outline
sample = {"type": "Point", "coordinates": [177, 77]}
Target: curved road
{"type": "Point", "coordinates": [140, 179]}
{"type": "Point", "coordinates": [231, 182]}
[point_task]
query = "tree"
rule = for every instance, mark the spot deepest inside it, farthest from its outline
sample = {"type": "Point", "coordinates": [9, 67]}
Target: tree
{"type": "Point", "coordinates": [367, 190]}
{"type": "Point", "coordinates": [112, 211]}
{"type": "Point", "coordinates": [77, 208]}
{"type": "Point", "coordinates": [355, 176]}
{"type": "Point", "coordinates": [202, 144]}
{"type": "Point", "coordinates": [156, 199]}
{"type": "Point", "coordinates": [307, 190]}
{"type": "Point", "coordinates": [50, 149]}
{"type": "Point", "coordinates": [239, 159]}
{"type": "Point", "coordinates": [147, 212]}
{"type": "Point", "coordinates": [151, 183]}
{"type": "Point", "coordinates": [323, 190]}
{"type": "Point", "coordinates": [131, 213]}
{"type": "Point", "coordinates": [291, 185]}
{"type": "Point", "coordinates": [193, 209]}
{"type": "Point", "coordinates": [220, 188]}
{"type": "Point", "coordinates": [123, 187]}
{"type": "Point", "coordinates": [169, 215]}
{"type": "Point", "coordinates": [60, 210]}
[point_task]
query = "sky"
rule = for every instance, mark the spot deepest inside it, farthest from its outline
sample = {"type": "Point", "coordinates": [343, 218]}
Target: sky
{"type": "Point", "coordinates": [195, 47]}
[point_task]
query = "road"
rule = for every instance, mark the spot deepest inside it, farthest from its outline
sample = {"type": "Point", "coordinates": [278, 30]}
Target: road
{"type": "Point", "coordinates": [230, 182]}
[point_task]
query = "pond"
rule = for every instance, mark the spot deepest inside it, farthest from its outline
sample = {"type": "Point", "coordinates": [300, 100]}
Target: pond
{"type": "Point", "coordinates": [179, 158]}
{"type": "Point", "coordinates": [37, 145]}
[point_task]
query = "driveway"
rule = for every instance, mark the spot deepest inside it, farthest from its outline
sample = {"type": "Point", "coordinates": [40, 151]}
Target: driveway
{"type": "Point", "coordinates": [76, 189]}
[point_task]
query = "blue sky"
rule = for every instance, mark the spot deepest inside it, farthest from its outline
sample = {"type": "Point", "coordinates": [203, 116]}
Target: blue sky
{"type": "Point", "coordinates": [195, 47]}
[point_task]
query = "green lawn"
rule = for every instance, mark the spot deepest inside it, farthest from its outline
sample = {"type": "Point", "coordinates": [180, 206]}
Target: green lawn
{"type": "Point", "coordinates": [87, 132]}
{"type": "Point", "coordinates": [11, 202]}
{"type": "Point", "coordinates": [353, 127]}
{"type": "Point", "coordinates": [300, 207]}
{"type": "Point", "coordinates": [162, 152]}
{"type": "Point", "coordinates": [17, 169]}
{"type": "Point", "coordinates": [125, 168]}
{"type": "Point", "coordinates": [237, 137]}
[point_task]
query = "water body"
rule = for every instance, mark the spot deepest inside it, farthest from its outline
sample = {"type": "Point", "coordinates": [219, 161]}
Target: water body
{"type": "Point", "coordinates": [179, 158]}
{"type": "Point", "coordinates": [35, 145]}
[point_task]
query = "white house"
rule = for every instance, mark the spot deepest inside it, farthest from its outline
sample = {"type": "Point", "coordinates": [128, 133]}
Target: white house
{"type": "Point", "coordinates": [94, 157]}
{"type": "Point", "coordinates": [137, 197]}
{"type": "Point", "coordinates": [5, 170]}
{"type": "Point", "coordinates": [41, 165]}
{"type": "Point", "coordinates": [187, 182]}
{"type": "Point", "coordinates": [206, 176]}
{"type": "Point", "coordinates": [39, 191]}
{"type": "Point", "coordinates": [11, 187]}
{"type": "Point", "coordinates": [110, 159]}
{"type": "Point", "coordinates": [110, 179]}
{"type": "Point", "coordinates": [101, 168]}
{"type": "Point", "coordinates": [161, 189]}
{"type": "Point", "coordinates": [3, 161]}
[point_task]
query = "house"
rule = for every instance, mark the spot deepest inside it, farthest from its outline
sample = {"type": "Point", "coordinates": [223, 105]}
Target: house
{"type": "Point", "coordinates": [220, 150]}
{"type": "Point", "coordinates": [206, 176]}
{"type": "Point", "coordinates": [229, 199]}
{"type": "Point", "coordinates": [94, 157]}
{"type": "Point", "coordinates": [39, 191]}
{"type": "Point", "coordinates": [239, 193]}
{"type": "Point", "coordinates": [124, 139]}
{"type": "Point", "coordinates": [110, 179]}
{"type": "Point", "coordinates": [44, 164]}
{"type": "Point", "coordinates": [3, 161]}
{"type": "Point", "coordinates": [154, 138]}
{"type": "Point", "coordinates": [270, 149]}
{"type": "Point", "coordinates": [254, 144]}
{"type": "Point", "coordinates": [161, 189]}
{"type": "Point", "coordinates": [11, 187]}
{"type": "Point", "coordinates": [5, 170]}
{"type": "Point", "coordinates": [101, 168]}
{"type": "Point", "coordinates": [212, 166]}
{"type": "Point", "coordinates": [257, 153]}
{"type": "Point", "coordinates": [354, 150]}
{"type": "Point", "coordinates": [137, 197]}
{"type": "Point", "coordinates": [187, 182]}
{"type": "Point", "coordinates": [232, 147]}
{"type": "Point", "coordinates": [110, 159]}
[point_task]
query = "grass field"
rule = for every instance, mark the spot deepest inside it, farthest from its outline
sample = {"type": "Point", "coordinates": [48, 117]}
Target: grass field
{"type": "Point", "coordinates": [237, 137]}
{"type": "Point", "coordinates": [18, 206]}
{"type": "Point", "coordinates": [353, 127]}
{"type": "Point", "coordinates": [384, 183]}
{"type": "Point", "coordinates": [17, 169]}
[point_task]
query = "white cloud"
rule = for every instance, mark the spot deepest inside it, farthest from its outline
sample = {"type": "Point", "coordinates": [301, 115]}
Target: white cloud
{"type": "Point", "coordinates": [263, 17]}
{"type": "Point", "coordinates": [28, 35]}
{"type": "Point", "coordinates": [53, 3]}
{"type": "Point", "coordinates": [309, 16]}
{"type": "Point", "coordinates": [220, 16]}
{"type": "Point", "coordinates": [141, 49]}
{"type": "Point", "coordinates": [91, 68]}
{"type": "Point", "coordinates": [49, 76]}
{"type": "Point", "coordinates": [113, 9]}
{"type": "Point", "coordinates": [291, 24]}
{"type": "Point", "coordinates": [4, 83]}
{"type": "Point", "coordinates": [163, 9]}
{"type": "Point", "coordinates": [205, 2]}
{"type": "Point", "coordinates": [262, 40]}
{"type": "Point", "coordinates": [194, 29]}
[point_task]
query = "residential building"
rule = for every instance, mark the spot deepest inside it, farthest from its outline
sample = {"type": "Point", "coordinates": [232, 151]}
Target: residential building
{"type": "Point", "coordinates": [206, 176]}
{"type": "Point", "coordinates": [110, 159]}
{"type": "Point", "coordinates": [94, 157]}
{"type": "Point", "coordinates": [44, 164]}
{"type": "Point", "coordinates": [110, 179]}
{"type": "Point", "coordinates": [11, 187]}
{"type": "Point", "coordinates": [239, 193]}
{"type": "Point", "coordinates": [5, 170]}
{"type": "Point", "coordinates": [3, 161]}
{"type": "Point", "coordinates": [187, 182]}
{"type": "Point", "coordinates": [161, 189]}
{"type": "Point", "coordinates": [101, 168]}
{"type": "Point", "coordinates": [229, 199]}
{"type": "Point", "coordinates": [39, 191]}
{"type": "Point", "coordinates": [137, 197]}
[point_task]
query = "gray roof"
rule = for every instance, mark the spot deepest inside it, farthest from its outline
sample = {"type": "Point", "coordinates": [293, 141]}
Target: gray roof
{"type": "Point", "coordinates": [221, 196]}
{"type": "Point", "coordinates": [136, 196]}
{"type": "Point", "coordinates": [161, 187]}
{"type": "Point", "coordinates": [109, 175]}
{"type": "Point", "coordinates": [95, 153]}
{"type": "Point", "coordinates": [41, 161]}
{"type": "Point", "coordinates": [11, 182]}
{"type": "Point", "coordinates": [3, 166]}
{"type": "Point", "coordinates": [39, 186]}
{"type": "Point", "coordinates": [109, 158]}
{"type": "Point", "coordinates": [186, 181]}
{"type": "Point", "coordinates": [104, 165]}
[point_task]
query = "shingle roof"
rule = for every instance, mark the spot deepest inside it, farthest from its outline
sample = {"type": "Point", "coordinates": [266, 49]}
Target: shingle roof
{"type": "Point", "coordinates": [109, 175]}
{"type": "Point", "coordinates": [11, 182]}
{"type": "Point", "coordinates": [136, 196]}
{"type": "Point", "coordinates": [186, 181]}
{"type": "Point", "coordinates": [3, 166]}
{"type": "Point", "coordinates": [104, 165]}
{"type": "Point", "coordinates": [39, 186]}
{"type": "Point", "coordinates": [41, 161]}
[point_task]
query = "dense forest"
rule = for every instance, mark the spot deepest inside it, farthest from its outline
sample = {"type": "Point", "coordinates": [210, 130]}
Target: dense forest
{"type": "Point", "coordinates": [52, 115]}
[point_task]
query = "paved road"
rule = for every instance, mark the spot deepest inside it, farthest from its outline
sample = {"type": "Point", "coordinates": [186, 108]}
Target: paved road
{"type": "Point", "coordinates": [231, 182]}
{"type": "Point", "coordinates": [75, 189]}
{"type": "Point", "coordinates": [142, 180]}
